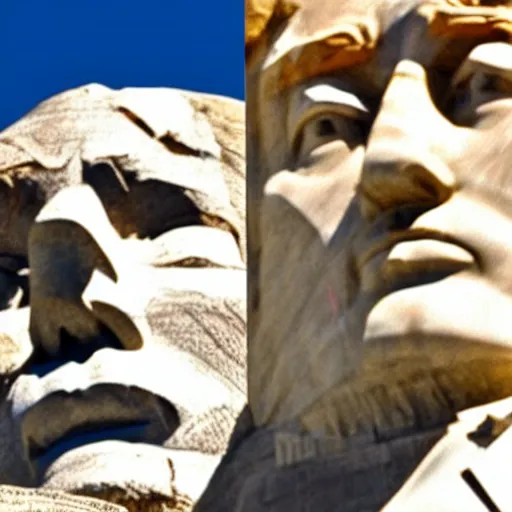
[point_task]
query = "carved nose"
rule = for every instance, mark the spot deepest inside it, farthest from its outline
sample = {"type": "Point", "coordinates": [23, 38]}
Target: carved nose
{"type": "Point", "coordinates": [404, 163]}
{"type": "Point", "coordinates": [73, 248]}
{"type": "Point", "coordinates": [399, 179]}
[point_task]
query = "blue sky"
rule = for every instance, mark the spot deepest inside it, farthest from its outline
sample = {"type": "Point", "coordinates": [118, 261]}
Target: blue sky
{"type": "Point", "coordinates": [47, 46]}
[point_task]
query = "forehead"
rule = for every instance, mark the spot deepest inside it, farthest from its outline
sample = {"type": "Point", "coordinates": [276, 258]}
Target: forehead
{"type": "Point", "coordinates": [226, 117]}
{"type": "Point", "coordinates": [318, 18]}
{"type": "Point", "coordinates": [322, 36]}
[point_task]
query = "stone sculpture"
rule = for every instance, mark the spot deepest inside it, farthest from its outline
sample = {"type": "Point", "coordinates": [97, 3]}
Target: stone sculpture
{"type": "Point", "coordinates": [123, 293]}
{"type": "Point", "coordinates": [379, 225]}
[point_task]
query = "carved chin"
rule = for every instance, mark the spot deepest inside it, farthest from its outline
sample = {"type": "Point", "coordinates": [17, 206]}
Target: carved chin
{"type": "Point", "coordinates": [429, 352]}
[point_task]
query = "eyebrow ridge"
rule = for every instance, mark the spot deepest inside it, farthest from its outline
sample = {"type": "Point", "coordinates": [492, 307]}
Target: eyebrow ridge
{"type": "Point", "coordinates": [351, 45]}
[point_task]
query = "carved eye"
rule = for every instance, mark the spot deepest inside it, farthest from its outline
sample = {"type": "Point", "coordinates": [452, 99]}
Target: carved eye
{"type": "Point", "coordinates": [322, 115]}
{"type": "Point", "coordinates": [479, 89]}
{"type": "Point", "coordinates": [483, 77]}
{"type": "Point", "coordinates": [323, 129]}
{"type": "Point", "coordinates": [493, 83]}
{"type": "Point", "coordinates": [482, 82]}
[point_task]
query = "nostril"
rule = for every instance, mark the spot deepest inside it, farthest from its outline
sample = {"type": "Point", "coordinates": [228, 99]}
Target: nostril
{"type": "Point", "coordinates": [429, 188]}
{"type": "Point", "coordinates": [71, 349]}
{"type": "Point", "coordinates": [388, 185]}
{"type": "Point", "coordinates": [404, 217]}
{"type": "Point", "coordinates": [427, 184]}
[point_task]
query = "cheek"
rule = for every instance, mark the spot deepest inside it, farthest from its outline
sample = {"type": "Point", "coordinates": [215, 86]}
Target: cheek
{"type": "Point", "coordinates": [486, 159]}
{"type": "Point", "coordinates": [293, 260]}
{"type": "Point", "coordinates": [322, 191]}
{"type": "Point", "coordinates": [291, 247]}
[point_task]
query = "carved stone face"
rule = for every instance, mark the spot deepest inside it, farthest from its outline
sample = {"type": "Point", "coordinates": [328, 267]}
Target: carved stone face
{"type": "Point", "coordinates": [381, 212]}
{"type": "Point", "coordinates": [122, 346]}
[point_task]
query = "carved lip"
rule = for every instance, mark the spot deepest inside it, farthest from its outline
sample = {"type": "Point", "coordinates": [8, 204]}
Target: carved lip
{"type": "Point", "coordinates": [62, 420]}
{"type": "Point", "coordinates": [413, 257]}
{"type": "Point", "coordinates": [42, 458]}
{"type": "Point", "coordinates": [393, 238]}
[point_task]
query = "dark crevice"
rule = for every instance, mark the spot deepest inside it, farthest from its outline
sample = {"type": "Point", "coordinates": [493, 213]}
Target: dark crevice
{"type": "Point", "coordinates": [13, 262]}
{"type": "Point", "coordinates": [152, 232]}
{"type": "Point", "coordinates": [214, 221]}
{"type": "Point", "coordinates": [479, 490]}
{"type": "Point", "coordinates": [137, 121]}
{"type": "Point", "coordinates": [178, 148]}
{"type": "Point", "coordinates": [489, 430]}
{"type": "Point", "coordinates": [173, 145]}
{"type": "Point", "coordinates": [37, 451]}
{"type": "Point", "coordinates": [71, 350]}
{"type": "Point", "coordinates": [405, 216]}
